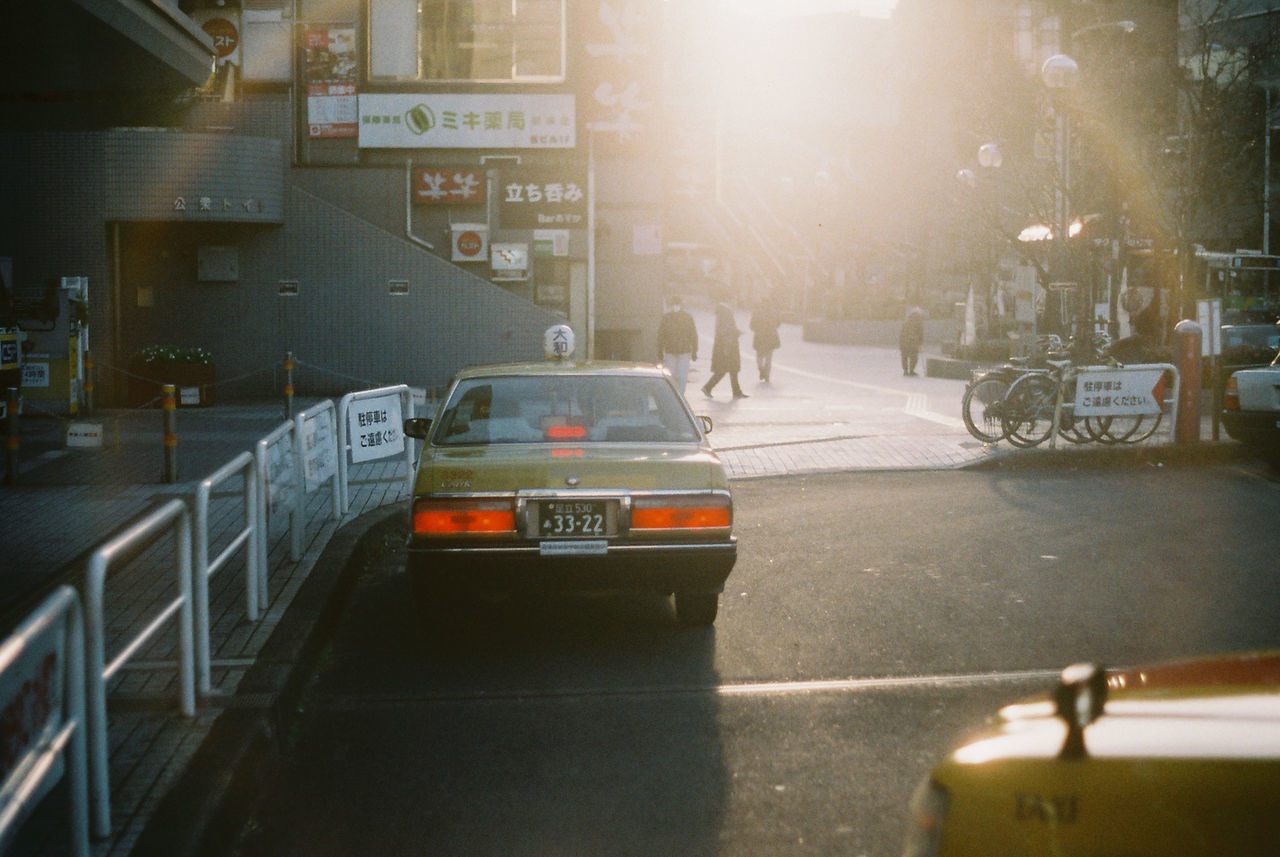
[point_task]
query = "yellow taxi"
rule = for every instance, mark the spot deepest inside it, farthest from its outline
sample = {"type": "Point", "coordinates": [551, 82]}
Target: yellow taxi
{"type": "Point", "coordinates": [568, 476]}
{"type": "Point", "coordinates": [1181, 758]}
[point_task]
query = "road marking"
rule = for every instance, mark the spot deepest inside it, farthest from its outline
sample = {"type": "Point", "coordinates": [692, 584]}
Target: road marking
{"type": "Point", "coordinates": [348, 702]}
{"type": "Point", "coordinates": [858, 684]}
{"type": "Point", "coordinates": [917, 403]}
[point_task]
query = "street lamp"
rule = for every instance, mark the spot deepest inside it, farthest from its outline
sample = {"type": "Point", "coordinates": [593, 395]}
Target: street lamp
{"type": "Point", "coordinates": [1060, 74]}
{"type": "Point", "coordinates": [1122, 26]}
{"type": "Point", "coordinates": [989, 155]}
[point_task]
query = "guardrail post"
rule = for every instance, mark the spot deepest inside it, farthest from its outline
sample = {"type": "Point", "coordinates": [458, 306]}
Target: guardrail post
{"type": "Point", "coordinates": [288, 385]}
{"type": "Point", "coordinates": [206, 567]}
{"type": "Point", "coordinates": [1187, 335]}
{"type": "Point", "coordinates": [297, 516]}
{"type": "Point", "coordinates": [12, 441]}
{"type": "Point", "coordinates": [169, 407]}
{"type": "Point", "coordinates": [145, 529]}
{"type": "Point", "coordinates": [346, 441]}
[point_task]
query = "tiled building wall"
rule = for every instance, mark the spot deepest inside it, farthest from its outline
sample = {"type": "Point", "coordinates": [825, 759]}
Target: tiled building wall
{"type": "Point", "coordinates": [343, 323]}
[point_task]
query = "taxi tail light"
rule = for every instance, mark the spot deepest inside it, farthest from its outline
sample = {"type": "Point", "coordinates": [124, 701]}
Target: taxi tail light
{"type": "Point", "coordinates": [463, 517]}
{"type": "Point", "coordinates": [1231, 395]}
{"type": "Point", "coordinates": [927, 813]}
{"type": "Point", "coordinates": [712, 512]}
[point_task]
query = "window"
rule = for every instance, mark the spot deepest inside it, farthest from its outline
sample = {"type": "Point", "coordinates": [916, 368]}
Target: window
{"type": "Point", "coordinates": [564, 408]}
{"type": "Point", "coordinates": [469, 40]}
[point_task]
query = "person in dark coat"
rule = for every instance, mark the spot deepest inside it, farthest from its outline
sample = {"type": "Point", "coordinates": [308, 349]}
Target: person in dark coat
{"type": "Point", "coordinates": [764, 326]}
{"type": "Point", "coordinates": [910, 339]}
{"type": "Point", "coordinates": [677, 342]}
{"type": "Point", "coordinates": [725, 358]}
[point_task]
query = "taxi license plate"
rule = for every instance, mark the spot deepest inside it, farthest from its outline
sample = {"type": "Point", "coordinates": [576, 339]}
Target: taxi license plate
{"type": "Point", "coordinates": [572, 519]}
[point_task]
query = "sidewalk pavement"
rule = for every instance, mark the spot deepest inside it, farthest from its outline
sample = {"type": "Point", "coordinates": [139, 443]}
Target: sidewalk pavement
{"type": "Point", "coordinates": [827, 409]}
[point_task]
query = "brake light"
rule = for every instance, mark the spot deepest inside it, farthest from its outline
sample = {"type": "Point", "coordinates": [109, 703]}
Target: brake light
{"type": "Point", "coordinates": [710, 513]}
{"type": "Point", "coordinates": [1231, 395]}
{"type": "Point", "coordinates": [566, 432]}
{"type": "Point", "coordinates": [463, 517]}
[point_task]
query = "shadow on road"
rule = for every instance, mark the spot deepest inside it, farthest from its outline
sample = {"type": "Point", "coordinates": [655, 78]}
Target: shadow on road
{"type": "Point", "coordinates": [559, 726]}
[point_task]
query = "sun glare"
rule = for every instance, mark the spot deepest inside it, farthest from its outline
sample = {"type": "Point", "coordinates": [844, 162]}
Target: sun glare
{"type": "Point", "coordinates": [788, 8]}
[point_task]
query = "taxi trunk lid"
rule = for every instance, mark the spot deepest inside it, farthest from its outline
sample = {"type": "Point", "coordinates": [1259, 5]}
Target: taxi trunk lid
{"type": "Point", "coordinates": [636, 467]}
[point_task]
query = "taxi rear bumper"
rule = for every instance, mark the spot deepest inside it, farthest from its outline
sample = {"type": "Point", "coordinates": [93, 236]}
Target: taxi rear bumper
{"type": "Point", "coordinates": [576, 567]}
{"type": "Point", "coordinates": [1257, 427]}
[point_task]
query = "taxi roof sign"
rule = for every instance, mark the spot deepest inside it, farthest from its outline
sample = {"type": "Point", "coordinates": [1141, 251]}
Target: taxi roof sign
{"type": "Point", "coordinates": [558, 342]}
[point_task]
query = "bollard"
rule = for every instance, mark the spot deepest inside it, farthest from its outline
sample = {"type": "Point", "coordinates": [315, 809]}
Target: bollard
{"type": "Point", "coordinates": [1187, 335]}
{"type": "Point", "coordinates": [288, 385]}
{"type": "Point", "coordinates": [11, 443]}
{"type": "Point", "coordinates": [88, 384]}
{"type": "Point", "coordinates": [170, 411]}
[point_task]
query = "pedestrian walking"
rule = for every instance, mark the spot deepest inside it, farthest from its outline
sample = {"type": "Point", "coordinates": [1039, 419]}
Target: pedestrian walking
{"type": "Point", "coordinates": [725, 357]}
{"type": "Point", "coordinates": [677, 341]}
{"type": "Point", "coordinates": [910, 339]}
{"type": "Point", "coordinates": [764, 339]}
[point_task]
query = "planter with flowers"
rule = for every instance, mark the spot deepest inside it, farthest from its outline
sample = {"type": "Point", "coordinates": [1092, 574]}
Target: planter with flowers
{"type": "Point", "coordinates": [190, 369]}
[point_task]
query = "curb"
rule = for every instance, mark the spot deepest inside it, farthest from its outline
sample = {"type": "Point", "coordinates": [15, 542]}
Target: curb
{"type": "Point", "coordinates": [202, 814]}
{"type": "Point", "coordinates": [1093, 456]}
{"type": "Point", "coordinates": [949, 367]}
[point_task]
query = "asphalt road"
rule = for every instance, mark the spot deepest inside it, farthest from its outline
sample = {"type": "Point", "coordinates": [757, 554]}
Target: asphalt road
{"type": "Point", "coordinates": [871, 622]}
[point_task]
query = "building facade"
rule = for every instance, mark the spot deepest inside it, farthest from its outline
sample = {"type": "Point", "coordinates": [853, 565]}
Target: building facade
{"type": "Point", "coordinates": [388, 190]}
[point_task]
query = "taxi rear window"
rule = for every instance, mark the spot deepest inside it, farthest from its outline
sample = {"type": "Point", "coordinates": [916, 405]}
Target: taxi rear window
{"type": "Point", "coordinates": [564, 408]}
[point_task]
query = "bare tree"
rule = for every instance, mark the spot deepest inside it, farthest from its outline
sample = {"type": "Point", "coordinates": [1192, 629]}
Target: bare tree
{"type": "Point", "coordinates": [1207, 187]}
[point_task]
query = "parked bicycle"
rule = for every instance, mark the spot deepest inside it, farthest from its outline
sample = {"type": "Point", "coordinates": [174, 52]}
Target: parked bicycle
{"type": "Point", "coordinates": [1036, 403]}
{"type": "Point", "coordinates": [980, 407]}
{"type": "Point", "coordinates": [989, 412]}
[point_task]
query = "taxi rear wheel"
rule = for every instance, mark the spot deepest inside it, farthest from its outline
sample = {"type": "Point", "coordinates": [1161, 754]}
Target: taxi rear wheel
{"type": "Point", "coordinates": [697, 608]}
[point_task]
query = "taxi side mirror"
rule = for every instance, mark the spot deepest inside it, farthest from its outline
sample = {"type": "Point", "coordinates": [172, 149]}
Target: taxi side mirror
{"type": "Point", "coordinates": [417, 427]}
{"type": "Point", "coordinates": [705, 422]}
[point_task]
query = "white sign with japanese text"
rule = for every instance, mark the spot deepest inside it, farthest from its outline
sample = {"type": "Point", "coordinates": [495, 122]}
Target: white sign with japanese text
{"type": "Point", "coordinates": [467, 121]}
{"type": "Point", "coordinates": [279, 474]}
{"type": "Point", "coordinates": [319, 450]}
{"type": "Point", "coordinates": [33, 708]}
{"type": "Point", "coordinates": [35, 373]}
{"type": "Point", "coordinates": [1119, 392]}
{"type": "Point", "coordinates": [1209, 316]}
{"type": "Point", "coordinates": [374, 426]}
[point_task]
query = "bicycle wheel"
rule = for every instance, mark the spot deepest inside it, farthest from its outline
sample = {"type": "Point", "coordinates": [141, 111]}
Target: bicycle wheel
{"type": "Point", "coordinates": [1027, 413]}
{"type": "Point", "coordinates": [1074, 429]}
{"type": "Point", "coordinates": [1112, 429]}
{"type": "Point", "coordinates": [1146, 427]}
{"type": "Point", "coordinates": [980, 407]}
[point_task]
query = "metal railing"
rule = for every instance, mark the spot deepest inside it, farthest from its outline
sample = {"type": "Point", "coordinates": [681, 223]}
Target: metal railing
{"type": "Point", "coordinates": [170, 516]}
{"type": "Point", "coordinates": [298, 456]}
{"type": "Point", "coordinates": [247, 537]}
{"type": "Point", "coordinates": [50, 709]}
{"type": "Point", "coordinates": [274, 463]}
{"type": "Point", "coordinates": [316, 450]}
{"type": "Point", "coordinates": [399, 393]}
